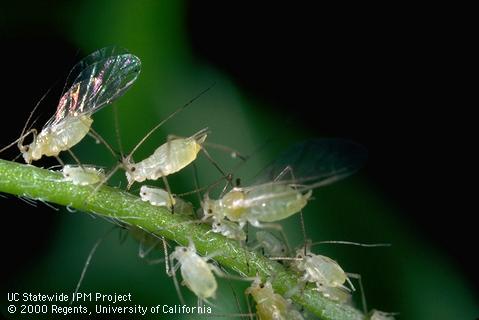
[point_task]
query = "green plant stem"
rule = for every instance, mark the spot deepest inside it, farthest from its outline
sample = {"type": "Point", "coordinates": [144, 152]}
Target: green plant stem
{"type": "Point", "coordinates": [30, 181]}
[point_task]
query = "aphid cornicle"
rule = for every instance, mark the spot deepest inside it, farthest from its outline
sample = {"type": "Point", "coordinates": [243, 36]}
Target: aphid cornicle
{"type": "Point", "coordinates": [270, 305]}
{"type": "Point", "coordinates": [309, 165]}
{"type": "Point", "coordinates": [169, 158]}
{"type": "Point", "coordinates": [196, 272]}
{"type": "Point", "coordinates": [82, 176]}
{"type": "Point", "coordinates": [103, 77]}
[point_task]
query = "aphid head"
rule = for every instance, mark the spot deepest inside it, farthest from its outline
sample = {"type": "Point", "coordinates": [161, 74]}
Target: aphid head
{"type": "Point", "coordinates": [209, 207]}
{"type": "Point", "coordinates": [130, 170]}
{"type": "Point", "coordinates": [216, 226]}
{"type": "Point", "coordinates": [27, 153]}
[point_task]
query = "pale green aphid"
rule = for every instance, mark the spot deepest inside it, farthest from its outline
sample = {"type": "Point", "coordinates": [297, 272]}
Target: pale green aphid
{"type": "Point", "coordinates": [307, 165]}
{"type": "Point", "coordinates": [270, 305]}
{"type": "Point", "coordinates": [161, 197]}
{"type": "Point", "coordinates": [228, 229]}
{"type": "Point", "coordinates": [264, 203]}
{"type": "Point", "coordinates": [271, 245]}
{"type": "Point", "coordinates": [82, 175]}
{"type": "Point", "coordinates": [195, 270]}
{"type": "Point", "coordinates": [169, 158]}
{"type": "Point", "coordinates": [103, 77]}
{"type": "Point", "coordinates": [326, 273]}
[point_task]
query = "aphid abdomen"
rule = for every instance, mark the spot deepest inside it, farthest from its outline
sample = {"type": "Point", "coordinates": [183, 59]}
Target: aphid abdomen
{"type": "Point", "coordinates": [169, 158]}
{"type": "Point", "coordinates": [198, 277]}
{"type": "Point", "coordinates": [59, 137]}
{"type": "Point", "coordinates": [330, 271]}
{"type": "Point", "coordinates": [274, 202]}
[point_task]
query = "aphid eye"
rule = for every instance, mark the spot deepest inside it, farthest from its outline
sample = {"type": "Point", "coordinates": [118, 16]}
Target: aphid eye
{"type": "Point", "coordinates": [184, 249]}
{"type": "Point", "coordinates": [27, 148]}
{"type": "Point", "coordinates": [132, 169]}
{"type": "Point", "coordinates": [67, 174]}
{"type": "Point", "coordinates": [261, 286]}
{"type": "Point", "coordinates": [210, 211]}
{"type": "Point", "coordinates": [299, 256]}
{"type": "Point", "coordinates": [218, 224]}
{"type": "Point", "coordinates": [144, 193]}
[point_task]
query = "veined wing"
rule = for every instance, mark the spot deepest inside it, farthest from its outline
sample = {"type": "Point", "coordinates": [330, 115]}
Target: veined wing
{"type": "Point", "coordinates": [98, 84]}
{"type": "Point", "coordinates": [315, 162]}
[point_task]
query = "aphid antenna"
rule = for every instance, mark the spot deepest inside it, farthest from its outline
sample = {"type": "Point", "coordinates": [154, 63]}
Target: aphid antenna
{"type": "Point", "coordinates": [366, 245]}
{"type": "Point", "coordinates": [174, 113]}
{"type": "Point", "coordinates": [88, 260]}
{"type": "Point", "coordinates": [25, 131]}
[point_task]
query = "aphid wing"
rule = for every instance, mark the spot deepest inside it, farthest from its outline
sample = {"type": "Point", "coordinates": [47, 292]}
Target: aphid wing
{"type": "Point", "coordinates": [92, 58]}
{"type": "Point", "coordinates": [99, 84]}
{"type": "Point", "coordinates": [315, 160]}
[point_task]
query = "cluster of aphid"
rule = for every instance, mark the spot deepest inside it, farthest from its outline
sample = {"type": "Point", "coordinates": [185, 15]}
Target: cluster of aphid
{"type": "Point", "coordinates": [280, 191]}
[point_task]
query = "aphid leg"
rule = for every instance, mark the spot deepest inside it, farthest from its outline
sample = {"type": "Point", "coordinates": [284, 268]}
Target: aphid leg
{"type": "Point", "coordinates": [117, 129]}
{"type": "Point", "coordinates": [289, 170]}
{"type": "Point", "coordinates": [172, 273]}
{"type": "Point", "coordinates": [95, 135]}
{"type": "Point", "coordinates": [168, 189]}
{"type": "Point", "coordinates": [60, 161]}
{"type": "Point", "coordinates": [76, 159]}
{"type": "Point", "coordinates": [361, 288]}
{"type": "Point", "coordinates": [105, 180]}
{"type": "Point", "coordinates": [220, 273]}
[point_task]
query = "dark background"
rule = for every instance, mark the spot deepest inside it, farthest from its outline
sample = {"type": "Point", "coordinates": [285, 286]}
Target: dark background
{"type": "Point", "coordinates": [372, 74]}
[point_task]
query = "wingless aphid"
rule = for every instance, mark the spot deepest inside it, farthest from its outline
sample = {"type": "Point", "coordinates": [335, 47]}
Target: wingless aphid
{"type": "Point", "coordinates": [196, 272]}
{"type": "Point", "coordinates": [310, 164]}
{"type": "Point", "coordinates": [161, 197]}
{"type": "Point", "coordinates": [326, 273]}
{"type": "Point", "coordinates": [270, 305]}
{"type": "Point", "coordinates": [83, 176]}
{"type": "Point", "coordinates": [103, 77]}
{"type": "Point", "coordinates": [169, 158]}
{"type": "Point", "coordinates": [270, 244]}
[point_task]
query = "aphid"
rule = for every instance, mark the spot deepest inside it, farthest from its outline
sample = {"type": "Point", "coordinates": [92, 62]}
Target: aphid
{"type": "Point", "coordinates": [83, 176]}
{"type": "Point", "coordinates": [169, 158]}
{"type": "Point", "coordinates": [103, 77]}
{"type": "Point", "coordinates": [326, 273]}
{"type": "Point", "coordinates": [270, 305]}
{"type": "Point", "coordinates": [380, 315]}
{"type": "Point", "coordinates": [228, 229]}
{"type": "Point", "coordinates": [161, 197]}
{"type": "Point", "coordinates": [197, 273]}
{"type": "Point", "coordinates": [271, 245]}
{"type": "Point", "coordinates": [311, 164]}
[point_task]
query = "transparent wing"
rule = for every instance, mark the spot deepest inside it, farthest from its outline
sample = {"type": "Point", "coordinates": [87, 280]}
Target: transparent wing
{"type": "Point", "coordinates": [98, 84]}
{"type": "Point", "coordinates": [315, 162]}
{"type": "Point", "coordinates": [92, 58]}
